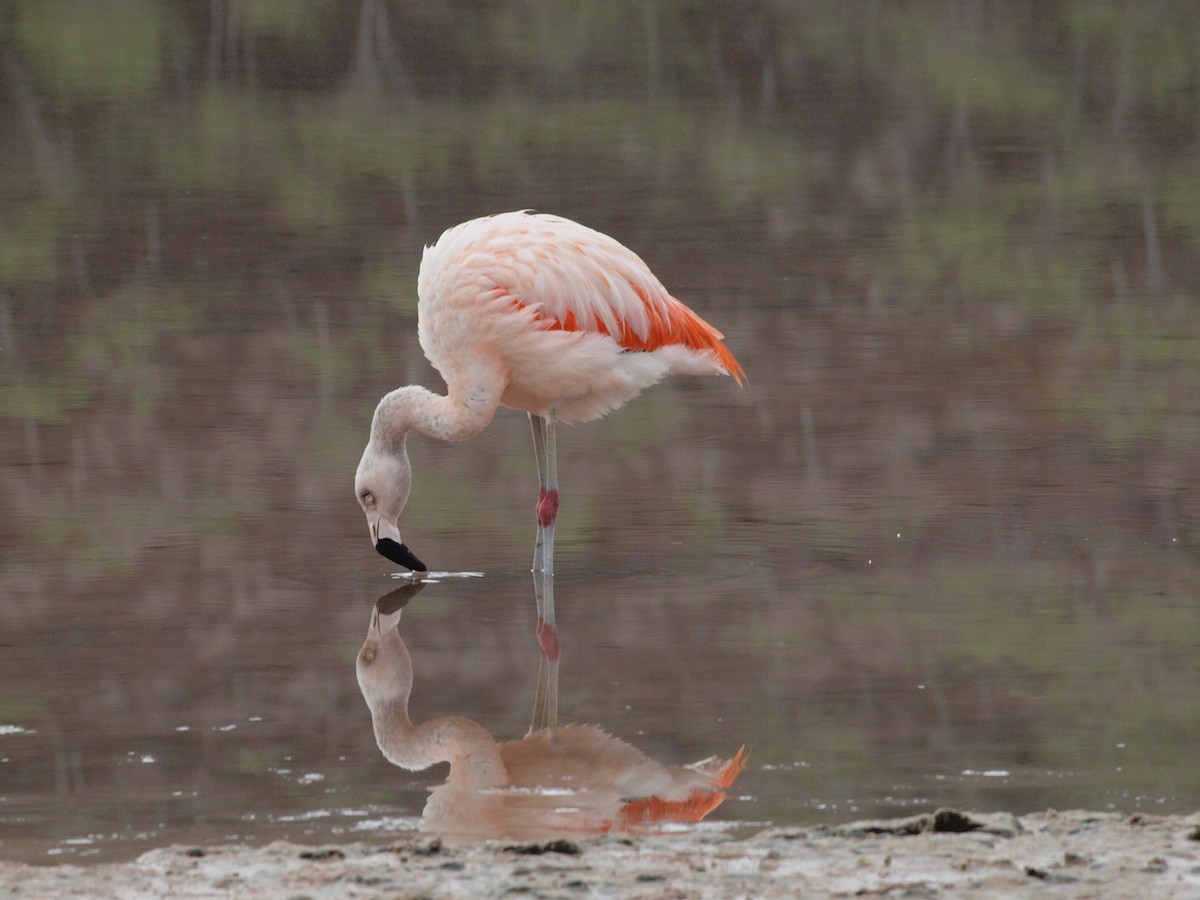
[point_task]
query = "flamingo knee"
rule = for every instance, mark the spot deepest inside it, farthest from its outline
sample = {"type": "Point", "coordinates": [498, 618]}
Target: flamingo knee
{"type": "Point", "coordinates": [547, 506]}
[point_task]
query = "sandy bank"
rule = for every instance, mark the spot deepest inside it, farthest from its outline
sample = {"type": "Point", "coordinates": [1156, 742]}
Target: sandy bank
{"type": "Point", "coordinates": [1051, 854]}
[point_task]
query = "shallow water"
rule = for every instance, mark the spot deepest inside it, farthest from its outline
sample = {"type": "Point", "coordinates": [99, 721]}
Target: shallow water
{"type": "Point", "coordinates": [941, 550]}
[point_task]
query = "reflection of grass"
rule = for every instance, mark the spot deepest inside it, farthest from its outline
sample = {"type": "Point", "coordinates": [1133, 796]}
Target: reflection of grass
{"type": "Point", "coordinates": [29, 241]}
{"type": "Point", "coordinates": [49, 399]}
{"type": "Point", "coordinates": [1181, 199]}
{"type": "Point", "coordinates": [1041, 648]}
{"type": "Point", "coordinates": [1147, 45]}
{"type": "Point", "coordinates": [24, 712]}
{"type": "Point", "coordinates": [1148, 398]}
{"type": "Point", "coordinates": [336, 361]}
{"type": "Point", "coordinates": [97, 50]}
{"type": "Point", "coordinates": [978, 248]}
{"type": "Point", "coordinates": [314, 156]}
{"type": "Point", "coordinates": [987, 75]}
{"type": "Point", "coordinates": [113, 349]}
{"type": "Point", "coordinates": [747, 167]}
{"type": "Point", "coordinates": [393, 286]}
{"type": "Point", "coordinates": [301, 26]}
{"type": "Point", "coordinates": [122, 337]}
{"type": "Point", "coordinates": [118, 529]}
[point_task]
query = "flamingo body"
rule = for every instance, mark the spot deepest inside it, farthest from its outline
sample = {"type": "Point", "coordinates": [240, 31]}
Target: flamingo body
{"type": "Point", "coordinates": [536, 313]}
{"type": "Point", "coordinates": [565, 318]}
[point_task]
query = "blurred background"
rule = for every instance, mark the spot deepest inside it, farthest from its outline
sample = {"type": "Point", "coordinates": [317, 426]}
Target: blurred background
{"type": "Point", "coordinates": [941, 550]}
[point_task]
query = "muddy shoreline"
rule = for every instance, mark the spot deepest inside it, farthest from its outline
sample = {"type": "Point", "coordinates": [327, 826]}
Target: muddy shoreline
{"type": "Point", "coordinates": [1050, 854]}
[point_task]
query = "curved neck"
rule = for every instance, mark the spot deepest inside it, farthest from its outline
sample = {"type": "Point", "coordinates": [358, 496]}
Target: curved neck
{"type": "Point", "coordinates": [459, 415]}
{"type": "Point", "coordinates": [472, 752]}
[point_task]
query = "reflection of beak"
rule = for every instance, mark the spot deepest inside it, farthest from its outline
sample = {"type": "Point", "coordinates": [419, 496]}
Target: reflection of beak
{"type": "Point", "coordinates": [386, 614]}
{"type": "Point", "coordinates": [387, 542]}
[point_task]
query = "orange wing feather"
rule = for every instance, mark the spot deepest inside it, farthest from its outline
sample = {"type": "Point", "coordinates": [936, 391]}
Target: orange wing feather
{"type": "Point", "coordinates": [679, 326]}
{"type": "Point", "coordinates": [573, 278]}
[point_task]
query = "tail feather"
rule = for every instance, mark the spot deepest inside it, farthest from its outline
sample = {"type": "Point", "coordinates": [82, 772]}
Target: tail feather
{"type": "Point", "coordinates": [680, 326]}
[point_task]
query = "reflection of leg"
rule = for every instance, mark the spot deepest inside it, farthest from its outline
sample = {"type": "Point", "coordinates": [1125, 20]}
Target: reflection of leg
{"type": "Point", "coordinates": [545, 699]}
{"type": "Point", "coordinates": [548, 642]}
{"type": "Point", "coordinates": [538, 721]}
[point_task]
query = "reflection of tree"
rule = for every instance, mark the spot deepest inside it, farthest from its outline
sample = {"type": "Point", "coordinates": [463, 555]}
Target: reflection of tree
{"type": "Point", "coordinates": [376, 66]}
{"type": "Point", "coordinates": [45, 154]}
{"type": "Point", "coordinates": [229, 52]}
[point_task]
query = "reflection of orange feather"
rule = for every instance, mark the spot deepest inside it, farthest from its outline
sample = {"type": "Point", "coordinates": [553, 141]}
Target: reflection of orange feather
{"type": "Point", "coordinates": [655, 810]}
{"type": "Point", "coordinates": [731, 770]}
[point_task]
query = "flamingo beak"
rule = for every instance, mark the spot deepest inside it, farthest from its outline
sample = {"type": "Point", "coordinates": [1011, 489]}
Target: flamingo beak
{"type": "Point", "coordinates": [390, 546]}
{"type": "Point", "coordinates": [399, 554]}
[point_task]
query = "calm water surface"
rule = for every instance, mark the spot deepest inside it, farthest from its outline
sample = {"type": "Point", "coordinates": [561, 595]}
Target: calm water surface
{"type": "Point", "coordinates": [941, 551]}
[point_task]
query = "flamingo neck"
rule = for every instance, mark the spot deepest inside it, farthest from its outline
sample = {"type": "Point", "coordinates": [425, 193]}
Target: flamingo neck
{"type": "Point", "coordinates": [472, 752]}
{"type": "Point", "coordinates": [455, 417]}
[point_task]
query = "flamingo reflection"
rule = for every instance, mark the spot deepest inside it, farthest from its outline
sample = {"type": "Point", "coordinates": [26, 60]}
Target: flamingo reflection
{"type": "Point", "coordinates": [575, 778]}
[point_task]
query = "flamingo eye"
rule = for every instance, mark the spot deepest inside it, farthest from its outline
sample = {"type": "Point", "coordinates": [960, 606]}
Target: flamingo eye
{"type": "Point", "coordinates": [369, 654]}
{"type": "Point", "coordinates": [368, 499]}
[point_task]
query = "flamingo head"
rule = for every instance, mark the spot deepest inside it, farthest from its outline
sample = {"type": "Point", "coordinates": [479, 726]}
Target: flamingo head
{"type": "Point", "coordinates": [382, 484]}
{"type": "Point", "coordinates": [383, 666]}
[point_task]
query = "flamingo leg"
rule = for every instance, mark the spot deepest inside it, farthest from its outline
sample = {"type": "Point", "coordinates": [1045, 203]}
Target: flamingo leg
{"type": "Point", "coordinates": [538, 425]}
{"type": "Point", "coordinates": [545, 713]}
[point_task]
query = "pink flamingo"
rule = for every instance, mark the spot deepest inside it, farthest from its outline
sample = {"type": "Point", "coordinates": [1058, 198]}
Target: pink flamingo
{"type": "Point", "coordinates": [537, 313]}
{"type": "Point", "coordinates": [569, 778]}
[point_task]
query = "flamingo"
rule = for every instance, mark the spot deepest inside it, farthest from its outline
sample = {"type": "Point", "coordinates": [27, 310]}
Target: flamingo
{"type": "Point", "coordinates": [538, 313]}
{"type": "Point", "coordinates": [574, 777]}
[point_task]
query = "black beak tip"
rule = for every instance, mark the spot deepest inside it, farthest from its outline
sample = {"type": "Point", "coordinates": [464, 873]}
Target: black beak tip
{"type": "Point", "coordinates": [399, 554]}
